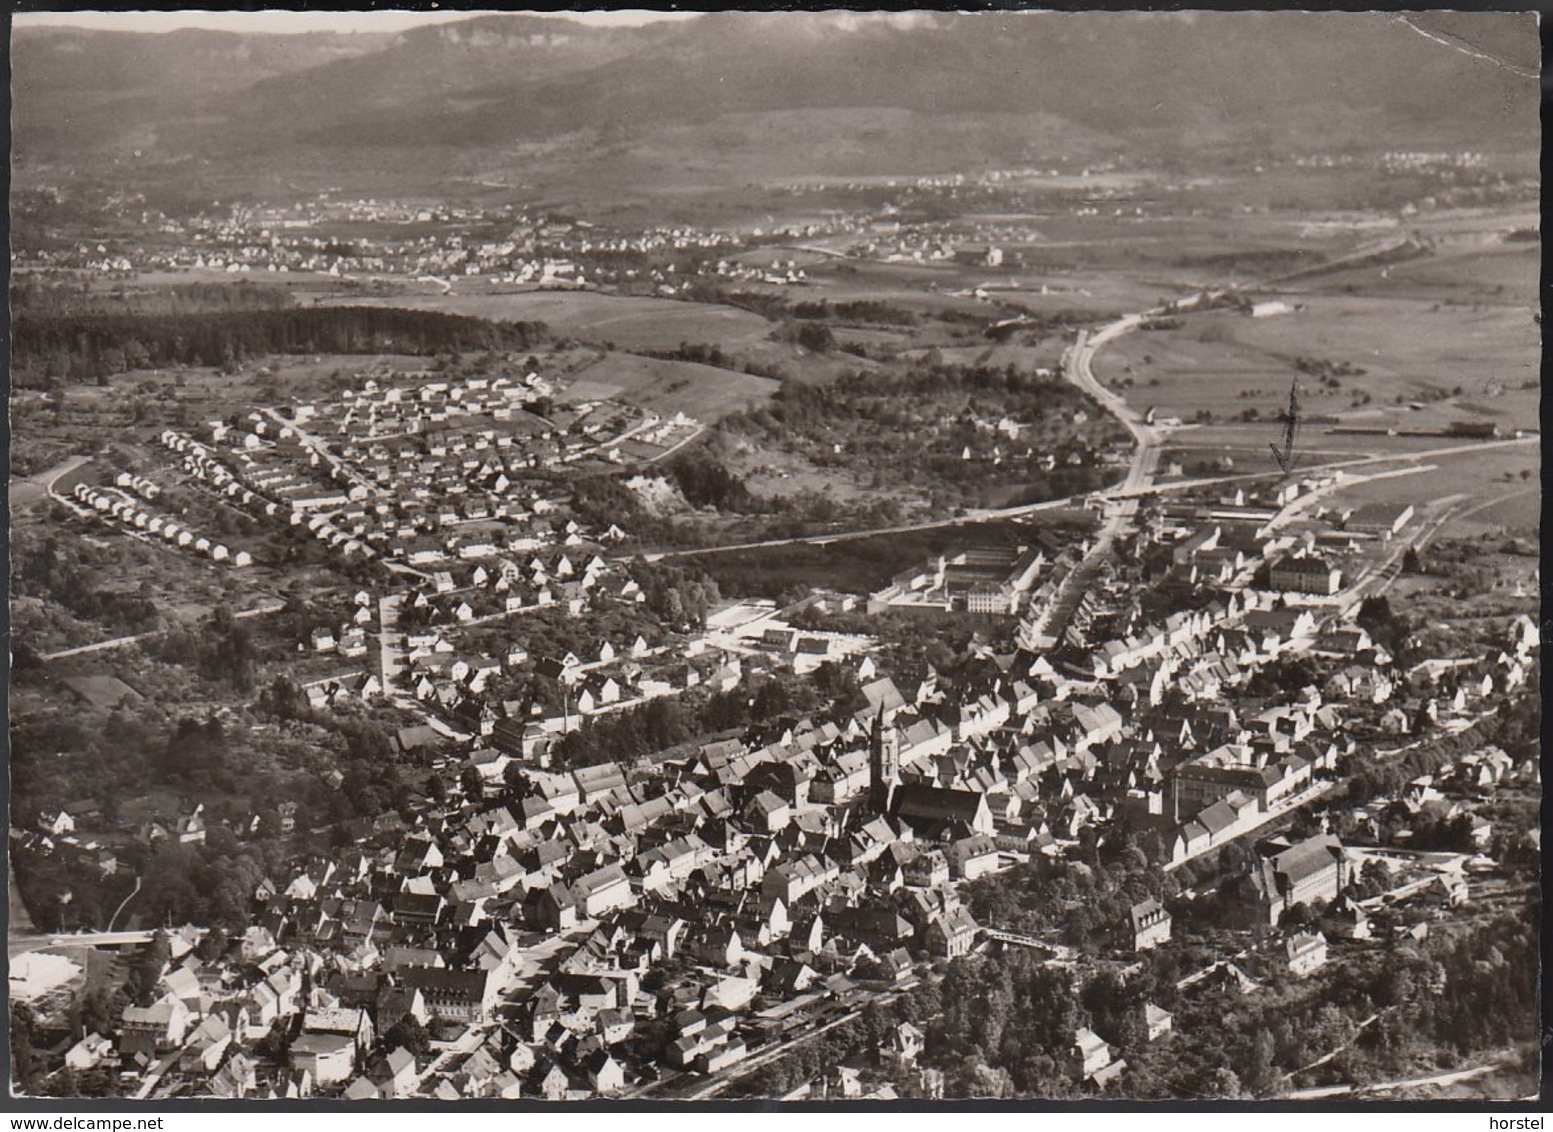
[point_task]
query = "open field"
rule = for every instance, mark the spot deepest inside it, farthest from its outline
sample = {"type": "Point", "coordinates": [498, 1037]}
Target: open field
{"type": "Point", "coordinates": [704, 392]}
{"type": "Point", "coordinates": [1317, 443]}
{"type": "Point", "coordinates": [1515, 507]}
{"type": "Point", "coordinates": [1409, 349]}
{"type": "Point", "coordinates": [1492, 489]}
{"type": "Point", "coordinates": [932, 287]}
{"type": "Point", "coordinates": [1476, 270]}
{"type": "Point", "coordinates": [1046, 355]}
{"type": "Point", "coordinates": [630, 322]}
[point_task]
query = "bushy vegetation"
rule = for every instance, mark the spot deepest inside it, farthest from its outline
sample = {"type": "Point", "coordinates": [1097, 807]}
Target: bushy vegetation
{"type": "Point", "coordinates": [855, 424]}
{"type": "Point", "coordinates": [707, 483]}
{"type": "Point", "coordinates": [1086, 900]}
{"type": "Point", "coordinates": [866, 311]}
{"type": "Point", "coordinates": [856, 566]}
{"type": "Point", "coordinates": [755, 707]}
{"type": "Point", "coordinates": [711, 354]}
{"type": "Point", "coordinates": [64, 573]}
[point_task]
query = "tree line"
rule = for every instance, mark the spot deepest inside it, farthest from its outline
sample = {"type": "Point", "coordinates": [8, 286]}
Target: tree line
{"type": "Point", "coordinates": [45, 298]}
{"type": "Point", "coordinates": [57, 348]}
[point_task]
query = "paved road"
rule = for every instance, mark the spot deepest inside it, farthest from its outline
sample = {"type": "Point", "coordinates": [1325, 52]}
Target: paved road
{"type": "Point", "coordinates": [719, 1082]}
{"type": "Point", "coordinates": [321, 447]}
{"type": "Point", "coordinates": [469, 1041]}
{"type": "Point", "coordinates": [973, 516]}
{"type": "Point", "coordinates": [154, 1077]}
{"type": "Point", "coordinates": [1486, 504]}
{"type": "Point", "coordinates": [1140, 473]}
{"type": "Point", "coordinates": [537, 960]}
{"type": "Point", "coordinates": [1078, 367]}
{"type": "Point", "coordinates": [21, 944]}
{"type": "Point", "coordinates": [29, 489]}
{"type": "Point", "coordinates": [667, 452]}
{"type": "Point", "coordinates": [1320, 790]}
{"type": "Point", "coordinates": [390, 640]}
{"type": "Point", "coordinates": [132, 894]}
{"type": "Point", "coordinates": [1139, 479]}
{"type": "Point", "coordinates": [1326, 1057]}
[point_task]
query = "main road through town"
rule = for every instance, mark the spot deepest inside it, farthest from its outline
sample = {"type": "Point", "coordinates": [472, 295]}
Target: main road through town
{"type": "Point", "coordinates": [1121, 500]}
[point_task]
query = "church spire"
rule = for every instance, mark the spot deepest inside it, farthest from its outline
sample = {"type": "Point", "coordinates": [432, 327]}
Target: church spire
{"type": "Point", "coordinates": [883, 766]}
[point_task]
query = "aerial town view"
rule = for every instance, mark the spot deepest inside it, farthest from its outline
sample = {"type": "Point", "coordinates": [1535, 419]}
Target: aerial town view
{"type": "Point", "coordinates": [796, 556]}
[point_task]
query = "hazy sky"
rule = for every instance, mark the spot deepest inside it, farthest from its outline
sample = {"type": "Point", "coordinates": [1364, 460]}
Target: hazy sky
{"type": "Point", "coordinates": [299, 21]}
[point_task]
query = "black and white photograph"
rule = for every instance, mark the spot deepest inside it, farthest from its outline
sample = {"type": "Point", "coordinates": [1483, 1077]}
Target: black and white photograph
{"type": "Point", "coordinates": [795, 556]}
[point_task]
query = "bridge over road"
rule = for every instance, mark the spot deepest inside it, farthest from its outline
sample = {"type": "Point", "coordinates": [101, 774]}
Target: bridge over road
{"type": "Point", "coordinates": [1057, 951]}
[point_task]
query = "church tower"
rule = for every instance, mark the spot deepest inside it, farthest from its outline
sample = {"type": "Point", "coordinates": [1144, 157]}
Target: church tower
{"type": "Point", "coordinates": [883, 765]}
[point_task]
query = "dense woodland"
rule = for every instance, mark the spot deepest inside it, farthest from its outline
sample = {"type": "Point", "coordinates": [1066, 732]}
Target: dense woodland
{"type": "Point", "coordinates": [49, 350]}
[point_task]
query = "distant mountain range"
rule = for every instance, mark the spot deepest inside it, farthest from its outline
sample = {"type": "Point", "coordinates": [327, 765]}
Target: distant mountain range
{"type": "Point", "coordinates": [729, 98]}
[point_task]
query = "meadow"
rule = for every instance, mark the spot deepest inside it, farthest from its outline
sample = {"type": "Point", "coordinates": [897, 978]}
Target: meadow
{"type": "Point", "coordinates": [706, 393]}
{"type": "Point", "coordinates": [630, 322]}
{"type": "Point", "coordinates": [1474, 357]}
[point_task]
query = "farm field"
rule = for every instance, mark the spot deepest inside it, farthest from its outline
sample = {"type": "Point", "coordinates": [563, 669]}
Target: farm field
{"type": "Point", "coordinates": [1407, 354]}
{"type": "Point", "coordinates": [707, 393]}
{"type": "Point", "coordinates": [1246, 444]}
{"type": "Point", "coordinates": [1046, 355]}
{"type": "Point", "coordinates": [1472, 270]}
{"type": "Point", "coordinates": [633, 323]}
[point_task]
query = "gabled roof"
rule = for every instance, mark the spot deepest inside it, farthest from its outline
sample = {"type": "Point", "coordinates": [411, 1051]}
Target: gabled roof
{"type": "Point", "coordinates": [322, 1044]}
{"type": "Point", "coordinates": [919, 801]}
{"type": "Point", "coordinates": [767, 803]}
{"type": "Point", "coordinates": [469, 985]}
{"type": "Point", "coordinates": [1308, 858]}
{"type": "Point", "coordinates": [1147, 912]}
